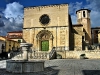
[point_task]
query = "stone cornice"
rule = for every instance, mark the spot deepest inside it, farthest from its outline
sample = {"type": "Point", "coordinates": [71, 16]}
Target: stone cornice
{"type": "Point", "coordinates": [45, 6]}
{"type": "Point", "coordinates": [45, 27]}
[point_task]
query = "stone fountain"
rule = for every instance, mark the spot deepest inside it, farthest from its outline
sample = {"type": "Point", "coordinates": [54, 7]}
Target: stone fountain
{"type": "Point", "coordinates": [24, 65]}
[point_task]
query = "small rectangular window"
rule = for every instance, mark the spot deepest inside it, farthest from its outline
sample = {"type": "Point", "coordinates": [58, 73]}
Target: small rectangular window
{"type": "Point", "coordinates": [83, 13]}
{"type": "Point", "coordinates": [82, 37]}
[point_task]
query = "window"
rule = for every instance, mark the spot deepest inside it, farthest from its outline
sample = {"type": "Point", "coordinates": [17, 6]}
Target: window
{"type": "Point", "coordinates": [83, 13]}
{"type": "Point", "coordinates": [44, 19]}
{"type": "Point", "coordinates": [19, 41]}
{"type": "Point", "coordinates": [82, 37]}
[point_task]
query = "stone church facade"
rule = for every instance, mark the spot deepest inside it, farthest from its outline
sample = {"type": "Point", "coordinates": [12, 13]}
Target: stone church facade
{"type": "Point", "coordinates": [50, 26]}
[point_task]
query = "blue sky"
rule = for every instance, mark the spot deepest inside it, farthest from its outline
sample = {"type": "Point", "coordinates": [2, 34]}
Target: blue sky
{"type": "Point", "coordinates": [37, 2]}
{"type": "Point", "coordinates": [11, 11]}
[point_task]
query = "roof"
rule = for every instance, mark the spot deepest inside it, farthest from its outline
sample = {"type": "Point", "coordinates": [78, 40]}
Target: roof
{"type": "Point", "coordinates": [15, 32]}
{"type": "Point", "coordinates": [95, 28]}
{"type": "Point", "coordinates": [83, 9]}
{"type": "Point", "coordinates": [77, 25]}
{"type": "Point", "coordinates": [4, 38]}
{"type": "Point", "coordinates": [47, 5]}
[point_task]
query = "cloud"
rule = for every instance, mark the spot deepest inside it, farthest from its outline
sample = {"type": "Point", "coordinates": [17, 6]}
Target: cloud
{"type": "Point", "coordinates": [73, 7]}
{"type": "Point", "coordinates": [74, 19]}
{"type": "Point", "coordinates": [11, 19]}
{"type": "Point", "coordinates": [13, 10]}
{"type": "Point", "coordinates": [1, 23]}
{"type": "Point", "coordinates": [7, 0]}
{"type": "Point", "coordinates": [93, 5]}
{"type": "Point", "coordinates": [12, 16]}
{"type": "Point", "coordinates": [95, 18]}
{"type": "Point", "coordinates": [1, 9]}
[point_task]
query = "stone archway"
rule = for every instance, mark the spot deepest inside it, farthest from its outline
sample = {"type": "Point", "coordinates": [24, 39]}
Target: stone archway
{"type": "Point", "coordinates": [45, 40]}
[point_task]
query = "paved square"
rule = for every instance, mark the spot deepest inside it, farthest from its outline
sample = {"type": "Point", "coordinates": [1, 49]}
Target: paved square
{"type": "Point", "coordinates": [63, 67]}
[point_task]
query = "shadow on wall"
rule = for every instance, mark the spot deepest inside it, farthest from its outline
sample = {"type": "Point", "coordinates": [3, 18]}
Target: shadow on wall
{"type": "Point", "coordinates": [91, 72]}
{"type": "Point", "coordinates": [23, 41]}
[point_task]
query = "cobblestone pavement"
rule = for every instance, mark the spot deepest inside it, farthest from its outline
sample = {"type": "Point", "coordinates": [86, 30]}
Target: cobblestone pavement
{"type": "Point", "coordinates": [63, 67]}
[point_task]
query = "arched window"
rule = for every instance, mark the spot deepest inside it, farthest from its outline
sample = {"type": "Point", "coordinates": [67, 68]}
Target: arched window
{"type": "Point", "coordinates": [83, 13]}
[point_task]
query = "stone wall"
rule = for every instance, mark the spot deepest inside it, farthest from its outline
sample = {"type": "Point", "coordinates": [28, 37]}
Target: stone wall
{"type": "Point", "coordinates": [91, 54]}
{"type": "Point", "coordinates": [78, 33]}
{"type": "Point", "coordinates": [58, 15]}
{"type": "Point", "coordinates": [99, 37]}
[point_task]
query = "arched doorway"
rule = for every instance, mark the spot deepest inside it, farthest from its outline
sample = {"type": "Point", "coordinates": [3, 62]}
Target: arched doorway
{"type": "Point", "coordinates": [45, 40]}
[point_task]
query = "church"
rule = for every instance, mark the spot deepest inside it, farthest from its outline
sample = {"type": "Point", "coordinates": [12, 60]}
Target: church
{"type": "Point", "coordinates": [50, 26]}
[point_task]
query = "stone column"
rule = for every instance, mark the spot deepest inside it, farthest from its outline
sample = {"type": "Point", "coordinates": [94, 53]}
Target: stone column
{"type": "Point", "coordinates": [97, 47]}
{"type": "Point", "coordinates": [86, 48]}
{"type": "Point", "coordinates": [25, 49]}
{"type": "Point", "coordinates": [50, 45]}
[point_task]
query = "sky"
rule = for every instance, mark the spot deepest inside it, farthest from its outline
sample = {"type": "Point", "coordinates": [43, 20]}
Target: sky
{"type": "Point", "coordinates": [12, 11]}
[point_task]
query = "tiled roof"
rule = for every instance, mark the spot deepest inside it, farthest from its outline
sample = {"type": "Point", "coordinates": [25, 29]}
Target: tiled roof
{"type": "Point", "coordinates": [95, 28]}
{"type": "Point", "coordinates": [6, 38]}
{"type": "Point", "coordinates": [76, 25]}
{"type": "Point", "coordinates": [15, 32]}
{"type": "Point", "coordinates": [83, 9]}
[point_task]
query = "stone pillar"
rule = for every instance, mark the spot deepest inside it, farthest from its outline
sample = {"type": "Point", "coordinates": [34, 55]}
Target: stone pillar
{"type": "Point", "coordinates": [97, 47]}
{"type": "Point", "coordinates": [25, 49]}
{"type": "Point", "coordinates": [66, 48]}
{"type": "Point", "coordinates": [50, 45]}
{"type": "Point", "coordinates": [38, 48]}
{"type": "Point", "coordinates": [86, 48]}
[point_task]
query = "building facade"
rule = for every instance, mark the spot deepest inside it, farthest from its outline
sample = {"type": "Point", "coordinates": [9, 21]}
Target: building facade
{"type": "Point", "coordinates": [15, 35]}
{"type": "Point", "coordinates": [7, 45]}
{"type": "Point", "coordinates": [95, 31]}
{"type": "Point", "coordinates": [83, 17]}
{"type": "Point", "coordinates": [51, 26]}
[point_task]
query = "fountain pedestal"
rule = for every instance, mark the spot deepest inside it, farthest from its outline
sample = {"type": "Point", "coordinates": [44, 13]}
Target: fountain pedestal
{"type": "Point", "coordinates": [24, 66]}
{"type": "Point", "coordinates": [20, 66]}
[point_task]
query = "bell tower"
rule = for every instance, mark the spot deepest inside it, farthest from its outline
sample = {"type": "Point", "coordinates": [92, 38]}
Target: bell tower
{"type": "Point", "coordinates": [83, 17]}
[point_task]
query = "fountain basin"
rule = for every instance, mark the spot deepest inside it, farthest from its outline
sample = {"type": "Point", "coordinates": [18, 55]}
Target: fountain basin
{"type": "Point", "coordinates": [21, 66]}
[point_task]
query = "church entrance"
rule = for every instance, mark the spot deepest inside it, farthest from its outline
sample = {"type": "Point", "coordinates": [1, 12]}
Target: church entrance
{"type": "Point", "coordinates": [44, 40]}
{"type": "Point", "coordinates": [45, 45]}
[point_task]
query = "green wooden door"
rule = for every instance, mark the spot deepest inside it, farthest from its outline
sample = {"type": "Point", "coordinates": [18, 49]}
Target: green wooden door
{"type": "Point", "coordinates": [45, 45]}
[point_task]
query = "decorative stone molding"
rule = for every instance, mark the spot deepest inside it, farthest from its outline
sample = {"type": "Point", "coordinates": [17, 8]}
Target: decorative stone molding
{"type": "Point", "coordinates": [46, 6]}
